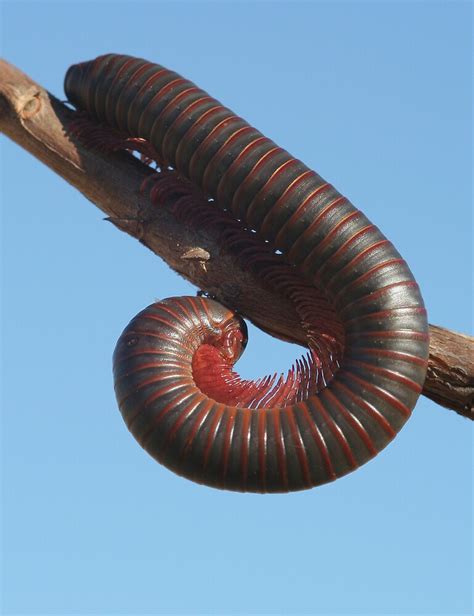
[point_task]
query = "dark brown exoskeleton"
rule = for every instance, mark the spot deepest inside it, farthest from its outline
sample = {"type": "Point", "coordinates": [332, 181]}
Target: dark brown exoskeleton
{"type": "Point", "coordinates": [368, 337]}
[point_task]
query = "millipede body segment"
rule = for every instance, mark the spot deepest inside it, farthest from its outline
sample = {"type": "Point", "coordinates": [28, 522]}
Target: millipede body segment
{"type": "Point", "coordinates": [366, 322]}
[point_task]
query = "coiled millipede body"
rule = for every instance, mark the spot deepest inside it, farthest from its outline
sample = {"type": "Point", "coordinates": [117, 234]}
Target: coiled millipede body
{"type": "Point", "coordinates": [367, 327]}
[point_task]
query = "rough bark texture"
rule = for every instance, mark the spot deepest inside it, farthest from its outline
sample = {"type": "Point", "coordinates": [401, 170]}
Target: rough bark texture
{"type": "Point", "coordinates": [40, 123]}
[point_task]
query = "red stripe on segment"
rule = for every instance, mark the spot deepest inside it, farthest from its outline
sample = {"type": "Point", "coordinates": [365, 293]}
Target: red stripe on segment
{"type": "Point", "coordinates": [197, 306]}
{"type": "Point", "coordinates": [280, 446]}
{"type": "Point", "coordinates": [216, 157]}
{"type": "Point", "coordinates": [309, 230]}
{"type": "Point", "coordinates": [226, 317]}
{"type": "Point", "coordinates": [399, 333]}
{"type": "Point", "coordinates": [262, 161]}
{"type": "Point", "coordinates": [363, 277]}
{"type": "Point", "coordinates": [325, 241]}
{"type": "Point", "coordinates": [300, 209]}
{"type": "Point", "coordinates": [285, 195]}
{"type": "Point", "coordinates": [139, 352]}
{"type": "Point", "coordinates": [185, 113]}
{"type": "Point", "coordinates": [185, 412]}
{"type": "Point", "coordinates": [192, 310]}
{"type": "Point", "coordinates": [115, 78]}
{"type": "Point", "coordinates": [135, 75]}
{"type": "Point", "coordinates": [158, 418]}
{"type": "Point", "coordinates": [201, 307]}
{"type": "Point", "coordinates": [155, 98]}
{"type": "Point", "coordinates": [160, 336]}
{"type": "Point", "coordinates": [318, 439]}
{"type": "Point", "coordinates": [211, 437]}
{"type": "Point", "coordinates": [84, 75]}
{"type": "Point", "coordinates": [341, 251]}
{"type": "Point", "coordinates": [192, 130]}
{"type": "Point", "coordinates": [380, 393]}
{"type": "Point", "coordinates": [171, 312]}
{"type": "Point", "coordinates": [299, 446]}
{"type": "Point", "coordinates": [150, 381]}
{"type": "Point", "coordinates": [145, 86]}
{"type": "Point", "coordinates": [399, 355]}
{"type": "Point", "coordinates": [164, 90]}
{"type": "Point", "coordinates": [361, 255]}
{"type": "Point", "coordinates": [244, 450]}
{"type": "Point", "coordinates": [97, 64]}
{"type": "Point", "coordinates": [261, 194]}
{"type": "Point", "coordinates": [159, 365]}
{"type": "Point", "coordinates": [355, 423]}
{"type": "Point", "coordinates": [120, 72]}
{"type": "Point", "coordinates": [229, 432]}
{"type": "Point", "coordinates": [198, 423]}
{"type": "Point", "coordinates": [162, 114]}
{"type": "Point", "coordinates": [171, 106]}
{"type": "Point", "coordinates": [160, 319]}
{"type": "Point", "coordinates": [236, 162]}
{"type": "Point", "coordinates": [262, 448]}
{"type": "Point", "coordinates": [182, 304]}
{"type": "Point", "coordinates": [389, 374]}
{"type": "Point", "coordinates": [373, 412]}
{"type": "Point", "coordinates": [393, 312]}
{"type": "Point", "coordinates": [211, 137]}
{"type": "Point", "coordinates": [152, 398]}
{"type": "Point", "coordinates": [369, 298]}
{"type": "Point", "coordinates": [139, 72]}
{"type": "Point", "coordinates": [337, 432]}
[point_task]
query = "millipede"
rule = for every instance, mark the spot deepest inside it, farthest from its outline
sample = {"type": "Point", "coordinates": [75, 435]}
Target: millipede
{"type": "Point", "coordinates": [359, 305]}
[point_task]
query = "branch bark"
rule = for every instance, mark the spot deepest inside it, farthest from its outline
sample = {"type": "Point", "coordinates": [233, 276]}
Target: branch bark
{"type": "Point", "coordinates": [41, 124]}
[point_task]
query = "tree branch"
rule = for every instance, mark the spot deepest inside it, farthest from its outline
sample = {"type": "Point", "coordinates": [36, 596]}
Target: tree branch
{"type": "Point", "coordinates": [41, 124]}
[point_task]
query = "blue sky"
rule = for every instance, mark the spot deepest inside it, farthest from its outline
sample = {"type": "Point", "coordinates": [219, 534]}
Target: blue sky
{"type": "Point", "coordinates": [377, 98]}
